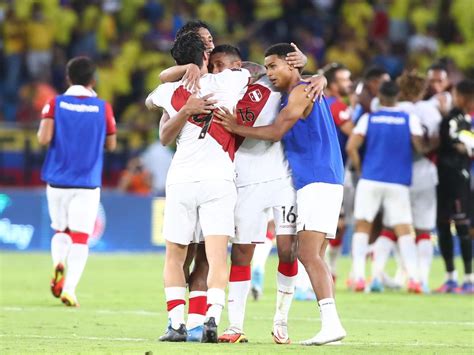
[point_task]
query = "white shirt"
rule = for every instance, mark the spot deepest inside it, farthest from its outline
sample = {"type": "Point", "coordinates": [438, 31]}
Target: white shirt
{"type": "Point", "coordinates": [258, 160]}
{"type": "Point", "coordinates": [200, 154]}
{"type": "Point", "coordinates": [425, 173]}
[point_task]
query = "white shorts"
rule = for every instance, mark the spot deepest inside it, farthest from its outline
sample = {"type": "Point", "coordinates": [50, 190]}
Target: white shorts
{"type": "Point", "coordinates": [254, 204]}
{"type": "Point", "coordinates": [208, 203]}
{"type": "Point", "coordinates": [423, 208]}
{"type": "Point", "coordinates": [75, 209]}
{"type": "Point", "coordinates": [319, 205]}
{"type": "Point", "coordinates": [394, 198]}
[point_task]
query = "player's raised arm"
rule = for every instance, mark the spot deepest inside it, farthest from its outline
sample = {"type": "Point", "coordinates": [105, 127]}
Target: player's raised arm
{"type": "Point", "coordinates": [298, 103]}
{"type": "Point", "coordinates": [171, 126]}
{"type": "Point", "coordinates": [189, 73]}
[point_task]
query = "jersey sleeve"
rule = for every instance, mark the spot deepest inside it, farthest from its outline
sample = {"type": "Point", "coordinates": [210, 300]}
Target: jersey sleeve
{"type": "Point", "coordinates": [415, 125]}
{"type": "Point", "coordinates": [161, 97]}
{"type": "Point", "coordinates": [340, 113]}
{"type": "Point", "coordinates": [362, 125]}
{"type": "Point", "coordinates": [109, 120]}
{"type": "Point", "coordinates": [48, 109]}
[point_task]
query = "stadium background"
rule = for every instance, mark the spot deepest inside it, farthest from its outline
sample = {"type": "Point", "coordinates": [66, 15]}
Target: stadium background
{"type": "Point", "coordinates": [122, 308]}
{"type": "Point", "coordinates": [130, 40]}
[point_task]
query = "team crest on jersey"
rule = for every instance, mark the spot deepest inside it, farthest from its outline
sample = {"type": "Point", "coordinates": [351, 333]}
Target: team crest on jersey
{"type": "Point", "coordinates": [255, 95]}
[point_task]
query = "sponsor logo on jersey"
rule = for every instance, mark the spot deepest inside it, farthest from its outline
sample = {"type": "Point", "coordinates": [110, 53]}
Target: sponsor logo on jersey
{"type": "Point", "coordinates": [78, 107]}
{"type": "Point", "coordinates": [256, 95]}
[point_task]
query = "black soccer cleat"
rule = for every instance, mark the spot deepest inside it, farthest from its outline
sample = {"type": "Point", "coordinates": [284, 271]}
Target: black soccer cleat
{"type": "Point", "coordinates": [174, 335]}
{"type": "Point", "coordinates": [210, 331]}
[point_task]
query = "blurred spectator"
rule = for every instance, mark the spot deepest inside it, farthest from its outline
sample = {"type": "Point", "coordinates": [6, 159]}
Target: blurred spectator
{"type": "Point", "coordinates": [157, 160]}
{"type": "Point", "coordinates": [40, 34]}
{"type": "Point", "coordinates": [135, 179]}
{"type": "Point", "coordinates": [137, 118]}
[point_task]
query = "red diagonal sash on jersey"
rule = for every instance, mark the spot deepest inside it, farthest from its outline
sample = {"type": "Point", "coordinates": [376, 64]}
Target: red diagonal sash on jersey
{"type": "Point", "coordinates": [224, 138]}
{"type": "Point", "coordinates": [250, 107]}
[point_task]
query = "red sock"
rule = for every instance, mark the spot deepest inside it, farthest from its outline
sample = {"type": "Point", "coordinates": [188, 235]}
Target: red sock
{"type": "Point", "coordinates": [79, 237]}
{"type": "Point", "coordinates": [239, 273]}
{"type": "Point", "coordinates": [388, 234]}
{"type": "Point", "coordinates": [288, 269]}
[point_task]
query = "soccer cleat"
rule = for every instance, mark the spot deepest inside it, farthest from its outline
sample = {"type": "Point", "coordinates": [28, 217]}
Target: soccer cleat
{"type": "Point", "coordinates": [304, 294]}
{"type": "Point", "coordinates": [467, 288]}
{"type": "Point", "coordinates": [69, 300]}
{"type": "Point", "coordinates": [414, 286]}
{"type": "Point", "coordinates": [209, 335]}
{"type": "Point", "coordinates": [195, 334]}
{"type": "Point", "coordinates": [57, 282]}
{"type": "Point", "coordinates": [256, 293]}
{"type": "Point", "coordinates": [174, 335]}
{"type": "Point", "coordinates": [280, 332]}
{"type": "Point", "coordinates": [376, 286]}
{"type": "Point", "coordinates": [450, 286]}
{"type": "Point", "coordinates": [233, 335]}
{"type": "Point", "coordinates": [326, 337]}
{"type": "Point", "coordinates": [359, 285]}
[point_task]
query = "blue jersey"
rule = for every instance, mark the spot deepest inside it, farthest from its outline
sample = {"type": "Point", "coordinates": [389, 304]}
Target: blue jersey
{"type": "Point", "coordinates": [312, 148]}
{"type": "Point", "coordinates": [75, 155]}
{"type": "Point", "coordinates": [388, 149]}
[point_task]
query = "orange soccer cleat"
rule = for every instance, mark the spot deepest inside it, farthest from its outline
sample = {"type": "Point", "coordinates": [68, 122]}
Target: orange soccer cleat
{"type": "Point", "coordinates": [57, 282]}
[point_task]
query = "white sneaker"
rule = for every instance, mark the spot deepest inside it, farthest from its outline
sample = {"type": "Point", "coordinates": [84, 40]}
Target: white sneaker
{"type": "Point", "coordinates": [326, 336]}
{"type": "Point", "coordinates": [280, 332]}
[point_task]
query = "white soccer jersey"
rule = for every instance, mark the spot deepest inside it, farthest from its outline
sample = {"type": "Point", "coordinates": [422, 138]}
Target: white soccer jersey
{"type": "Point", "coordinates": [257, 160]}
{"type": "Point", "coordinates": [425, 174]}
{"type": "Point", "coordinates": [205, 150]}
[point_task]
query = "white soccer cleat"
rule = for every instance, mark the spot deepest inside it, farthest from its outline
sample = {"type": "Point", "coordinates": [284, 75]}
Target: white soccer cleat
{"type": "Point", "coordinates": [326, 336]}
{"type": "Point", "coordinates": [280, 332]}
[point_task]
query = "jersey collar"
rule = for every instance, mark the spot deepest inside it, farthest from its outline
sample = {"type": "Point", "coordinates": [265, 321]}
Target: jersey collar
{"type": "Point", "coordinates": [79, 90]}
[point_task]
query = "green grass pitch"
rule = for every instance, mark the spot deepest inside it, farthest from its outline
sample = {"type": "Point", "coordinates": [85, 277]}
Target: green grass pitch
{"type": "Point", "coordinates": [123, 311]}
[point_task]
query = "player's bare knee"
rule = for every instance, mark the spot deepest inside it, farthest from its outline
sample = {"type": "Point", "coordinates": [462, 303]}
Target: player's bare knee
{"type": "Point", "coordinates": [242, 254]}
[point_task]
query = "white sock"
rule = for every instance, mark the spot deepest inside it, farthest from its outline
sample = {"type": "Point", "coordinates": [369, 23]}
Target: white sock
{"type": "Point", "coordinates": [175, 311]}
{"type": "Point", "coordinates": [76, 262]}
{"type": "Point", "coordinates": [468, 277]}
{"type": "Point", "coordinates": [333, 254]}
{"type": "Point", "coordinates": [425, 256]}
{"type": "Point", "coordinates": [216, 301]}
{"type": "Point", "coordinates": [285, 292]}
{"type": "Point", "coordinates": [197, 309]}
{"type": "Point", "coordinates": [302, 279]}
{"type": "Point", "coordinates": [408, 254]}
{"type": "Point", "coordinates": [329, 317]}
{"type": "Point", "coordinates": [452, 276]}
{"type": "Point", "coordinates": [60, 244]}
{"type": "Point", "coordinates": [237, 300]}
{"type": "Point", "coordinates": [400, 277]}
{"type": "Point", "coordinates": [360, 242]}
{"type": "Point", "coordinates": [260, 255]}
{"type": "Point", "coordinates": [382, 248]}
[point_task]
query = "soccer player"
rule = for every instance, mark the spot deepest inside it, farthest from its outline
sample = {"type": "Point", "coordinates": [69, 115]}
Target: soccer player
{"type": "Point", "coordinates": [311, 147]}
{"type": "Point", "coordinates": [76, 125]}
{"type": "Point", "coordinates": [389, 135]}
{"type": "Point", "coordinates": [422, 188]}
{"type": "Point", "coordinates": [453, 189]}
{"type": "Point", "coordinates": [367, 91]}
{"type": "Point", "coordinates": [200, 183]}
{"type": "Point", "coordinates": [264, 186]}
{"type": "Point", "coordinates": [438, 88]}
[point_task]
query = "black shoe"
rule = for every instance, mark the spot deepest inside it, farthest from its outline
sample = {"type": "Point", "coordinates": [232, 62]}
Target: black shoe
{"type": "Point", "coordinates": [172, 334]}
{"type": "Point", "coordinates": [210, 331]}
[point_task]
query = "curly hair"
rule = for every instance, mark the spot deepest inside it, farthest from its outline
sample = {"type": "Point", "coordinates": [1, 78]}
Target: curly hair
{"type": "Point", "coordinates": [412, 85]}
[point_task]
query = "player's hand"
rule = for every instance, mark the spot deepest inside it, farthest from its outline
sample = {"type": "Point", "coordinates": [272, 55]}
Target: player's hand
{"type": "Point", "coordinates": [191, 78]}
{"type": "Point", "coordinates": [199, 105]}
{"type": "Point", "coordinates": [296, 59]}
{"type": "Point", "coordinates": [226, 119]}
{"type": "Point", "coordinates": [316, 86]}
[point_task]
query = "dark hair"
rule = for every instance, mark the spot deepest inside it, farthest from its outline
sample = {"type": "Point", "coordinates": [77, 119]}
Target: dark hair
{"type": "Point", "coordinates": [227, 49]}
{"type": "Point", "coordinates": [438, 67]}
{"type": "Point", "coordinates": [330, 70]}
{"type": "Point", "coordinates": [80, 71]}
{"type": "Point", "coordinates": [279, 49]}
{"type": "Point", "coordinates": [374, 73]}
{"type": "Point", "coordinates": [192, 26]}
{"type": "Point", "coordinates": [466, 88]}
{"type": "Point", "coordinates": [389, 89]}
{"type": "Point", "coordinates": [188, 48]}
